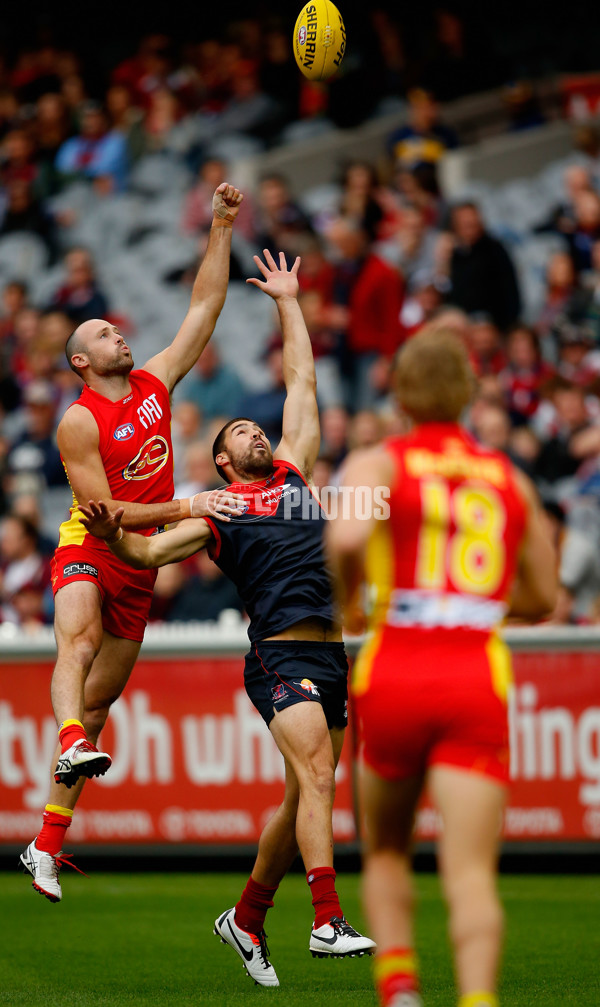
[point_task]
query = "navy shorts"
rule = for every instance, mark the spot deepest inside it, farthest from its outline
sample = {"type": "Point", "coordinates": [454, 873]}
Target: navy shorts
{"type": "Point", "coordinates": [281, 673]}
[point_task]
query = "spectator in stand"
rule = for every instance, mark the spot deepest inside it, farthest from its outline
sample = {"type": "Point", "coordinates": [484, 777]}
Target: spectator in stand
{"type": "Point", "coordinates": [420, 305]}
{"type": "Point", "coordinates": [149, 69]}
{"type": "Point", "coordinates": [98, 154]}
{"type": "Point", "coordinates": [249, 109]}
{"type": "Point", "coordinates": [80, 296]}
{"type": "Point", "coordinates": [17, 158]}
{"type": "Point", "coordinates": [24, 573]}
{"type": "Point", "coordinates": [366, 430]}
{"type": "Point", "coordinates": [75, 97]}
{"type": "Point", "coordinates": [524, 375]}
{"type": "Point", "coordinates": [26, 329]}
{"type": "Point", "coordinates": [578, 354]}
{"type": "Point", "coordinates": [359, 197]}
{"type": "Point", "coordinates": [486, 350]}
{"type": "Point", "coordinates": [564, 450]}
{"type": "Point", "coordinates": [198, 470]}
{"type": "Point", "coordinates": [560, 296]}
{"type": "Point", "coordinates": [576, 180]}
{"type": "Point", "coordinates": [127, 119]}
{"type": "Point", "coordinates": [9, 111]}
{"type": "Point", "coordinates": [14, 300]}
{"type": "Point", "coordinates": [34, 457]}
{"type": "Point", "coordinates": [267, 407]}
{"type": "Point", "coordinates": [480, 271]}
{"type": "Point", "coordinates": [424, 139]}
{"type": "Point", "coordinates": [24, 212]}
{"type": "Point", "coordinates": [51, 131]}
{"type": "Point", "coordinates": [213, 386]}
{"type": "Point", "coordinates": [186, 430]}
{"type": "Point", "coordinates": [586, 230]}
{"type": "Point", "coordinates": [206, 593]}
{"type": "Point", "coordinates": [278, 72]}
{"type": "Point", "coordinates": [492, 428]}
{"type": "Point", "coordinates": [413, 247]}
{"type": "Point", "coordinates": [335, 424]}
{"type": "Point", "coordinates": [368, 295]}
{"type": "Point", "coordinates": [197, 213]}
{"type": "Point", "coordinates": [279, 220]}
{"type": "Point", "coordinates": [579, 571]}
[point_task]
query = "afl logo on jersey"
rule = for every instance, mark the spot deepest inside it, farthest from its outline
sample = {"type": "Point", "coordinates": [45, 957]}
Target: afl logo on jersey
{"type": "Point", "coordinates": [124, 432]}
{"type": "Point", "coordinates": [150, 459]}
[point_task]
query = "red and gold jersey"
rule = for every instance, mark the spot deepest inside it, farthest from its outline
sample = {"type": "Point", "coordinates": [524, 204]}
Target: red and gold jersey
{"type": "Point", "coordinates": [448, 553]}
{"type": "Point", "coordinates": [135, 447]}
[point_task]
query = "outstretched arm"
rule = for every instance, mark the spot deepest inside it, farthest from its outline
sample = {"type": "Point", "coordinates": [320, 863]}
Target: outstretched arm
{"type": "Point", "coordinates": [140, 551]}
{"type": "Point", "coordinates": [78, 440]}
{"type": "Point", "coordinates": [301, 433]}
{"type": "Point", "coordinates": [208, 294]}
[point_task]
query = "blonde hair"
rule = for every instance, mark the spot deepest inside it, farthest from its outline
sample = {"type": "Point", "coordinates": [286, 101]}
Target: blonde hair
{"type": "Point", "coordinates": [433, 378]}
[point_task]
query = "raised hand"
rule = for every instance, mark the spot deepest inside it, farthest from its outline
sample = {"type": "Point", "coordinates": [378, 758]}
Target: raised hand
{"type": "Point", "coordinates": [217, 503]}
{"type": "Point", "coordinates": [226, 201]}
{"type": "Point", "coordinates": [279, 281]}
{"type": "Point", "coordinates": [101, 522]}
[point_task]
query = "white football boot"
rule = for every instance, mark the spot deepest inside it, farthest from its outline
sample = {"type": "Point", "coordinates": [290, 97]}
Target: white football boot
{"type": "Point", "coordinates": [81, 759]}
{"type": "Point", "coordinates": [44, 869]}
{"type": "Point", "coordinates": [337, 939]}
{"type": "Point", "coordinates": [406, 1000]}
{"type": "Point", "coordinates": [252, 949]}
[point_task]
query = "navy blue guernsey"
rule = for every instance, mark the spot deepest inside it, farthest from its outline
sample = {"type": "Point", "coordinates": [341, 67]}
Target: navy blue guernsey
{"type": "Point", "coordinates": [273, 553]}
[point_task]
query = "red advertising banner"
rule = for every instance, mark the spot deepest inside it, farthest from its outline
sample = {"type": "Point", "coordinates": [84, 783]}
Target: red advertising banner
{"type": "Point", "coordinates": [193, 762]}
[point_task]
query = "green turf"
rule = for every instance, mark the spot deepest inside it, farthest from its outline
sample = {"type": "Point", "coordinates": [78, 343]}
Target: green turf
{"type": "Point", "coordinates": [146, 939]}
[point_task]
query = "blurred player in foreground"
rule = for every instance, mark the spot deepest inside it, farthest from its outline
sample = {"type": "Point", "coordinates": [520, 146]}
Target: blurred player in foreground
{"type": "Point", "coordinates": [115, 442]}
{"type": "Point", "coordinates": [462, 546]}
{"type": "Point", "coordinates": [296, 671]}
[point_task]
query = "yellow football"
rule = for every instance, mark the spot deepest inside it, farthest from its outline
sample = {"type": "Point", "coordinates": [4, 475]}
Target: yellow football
{"type": "Point", "coordinates": [319, 39]}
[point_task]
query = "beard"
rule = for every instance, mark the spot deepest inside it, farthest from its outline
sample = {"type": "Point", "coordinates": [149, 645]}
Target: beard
{"type": "Point", "coordinates": [254, 464]}
{"type": "Point", "coordinates": [121, 366]}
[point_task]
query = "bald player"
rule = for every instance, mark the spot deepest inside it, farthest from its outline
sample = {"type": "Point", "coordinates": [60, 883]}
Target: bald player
{"type": "Point", "coordinates": [115, 443]}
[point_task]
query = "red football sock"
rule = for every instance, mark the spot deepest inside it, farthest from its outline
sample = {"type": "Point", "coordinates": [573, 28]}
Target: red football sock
{"type": "Point", "coordinates": [251, 910]}
{"type": "Point", "coordinates": [321, 881]}
{"type": "Point", "coordinates": [56, 822]}
{"type": "Point", "coordinates": [395, 971]}
{"type": "Point", "coordinates": [69, 732]}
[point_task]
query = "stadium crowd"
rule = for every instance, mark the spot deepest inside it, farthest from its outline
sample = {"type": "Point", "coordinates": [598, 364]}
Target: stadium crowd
{"type": "Point", "coordinates": [390, 256]}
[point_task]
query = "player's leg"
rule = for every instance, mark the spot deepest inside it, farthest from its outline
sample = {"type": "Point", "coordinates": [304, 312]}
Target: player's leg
{"type": "Point", "coordinates": [471, 808]}
{"type": "Point", "coordinates": [79, 634]}
{"type": "Point", "coordinates": [304, 739]}
{"type": "Point", "coordinates": [104, 683]}
{"type": "Point", "coordinates": [387, 812]}
{"type": "Point", "coordinates": [242, 927]}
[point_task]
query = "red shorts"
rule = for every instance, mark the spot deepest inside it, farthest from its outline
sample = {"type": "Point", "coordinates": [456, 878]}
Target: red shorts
{"type": "Point", "coordinates": [425, 697]}
{"type": "Point", "coordinates": [126, 594]}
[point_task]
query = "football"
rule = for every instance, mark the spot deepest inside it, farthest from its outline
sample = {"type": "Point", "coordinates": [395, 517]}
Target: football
{"type": "Point", "coordinates": [319, 39]}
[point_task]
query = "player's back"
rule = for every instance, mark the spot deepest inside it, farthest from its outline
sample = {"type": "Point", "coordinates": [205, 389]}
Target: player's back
{"type": "Point", "coordinates": [448, 554]}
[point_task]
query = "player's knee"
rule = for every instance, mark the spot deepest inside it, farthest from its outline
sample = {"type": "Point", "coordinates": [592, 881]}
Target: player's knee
{"type": "Point", "coordinates": [318, 776]}
{"type": "Point", "coordinates": [80, 650]}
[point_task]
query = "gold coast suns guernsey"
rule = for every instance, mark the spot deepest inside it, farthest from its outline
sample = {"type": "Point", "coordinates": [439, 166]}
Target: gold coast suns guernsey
{"type": "Point", "coordinates": [448, 554]}
{"type": "Point", "coordinates": [135, 447]}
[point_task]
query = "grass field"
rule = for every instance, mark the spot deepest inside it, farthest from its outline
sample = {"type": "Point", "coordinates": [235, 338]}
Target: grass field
{"type": "Point", "coordinates": [146, 939]}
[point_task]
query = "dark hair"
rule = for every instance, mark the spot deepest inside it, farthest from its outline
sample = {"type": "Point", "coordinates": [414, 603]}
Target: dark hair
{"type": "Point", "coordinates": [219, 442]}
{"type": "Point", "coordinates": [73, 345]}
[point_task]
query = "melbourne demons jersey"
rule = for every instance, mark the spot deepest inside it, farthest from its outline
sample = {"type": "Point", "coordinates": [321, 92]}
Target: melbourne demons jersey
{"type": "Point", "coordinates": [273, 552]}
{"type": "Point", "coordinates": [447, 556]}
{"type": "Point", "coordinates": [135, 447]}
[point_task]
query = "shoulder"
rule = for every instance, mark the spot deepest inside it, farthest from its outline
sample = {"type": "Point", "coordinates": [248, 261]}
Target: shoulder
{"type": "Point", "coordinates": [78, 423]}
{"type": "Point", "coordinates": [368, 464]}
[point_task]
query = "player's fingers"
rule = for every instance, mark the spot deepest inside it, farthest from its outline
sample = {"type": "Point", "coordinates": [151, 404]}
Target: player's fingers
{"type": "Point", "coordinates": [296, 265]}
{"type": "Point", "coordinates": [282, 262]}
{"type": "Point", "coordinates": [269, 258]}
{"type": "Point", "coordinates": [257, 283]}
{"type": "Point", "coordinates": [259, 262]}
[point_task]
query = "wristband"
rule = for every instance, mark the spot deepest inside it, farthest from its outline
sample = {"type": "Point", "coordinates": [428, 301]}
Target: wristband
{"type": "Point", "coordinates": [112, 541]}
